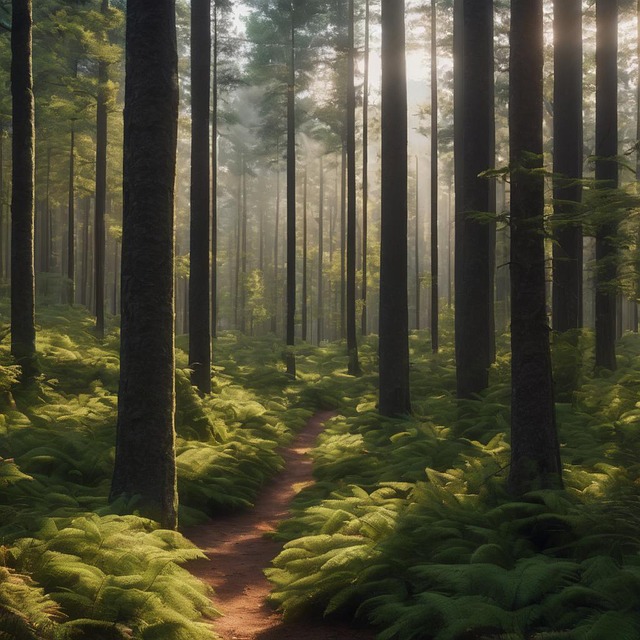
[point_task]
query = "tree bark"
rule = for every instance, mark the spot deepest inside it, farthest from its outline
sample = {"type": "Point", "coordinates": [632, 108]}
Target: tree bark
{"type": "Point", "coordinates": [101, 188]}
{"type": "Point", "coordinates": [214, 178]}
{"type": "Point", "coordinates": [365, 168]}
{"type": "Point", "coordinates": [199, 274]}
{"type": "Point", "coordinates": [352, 341]}
{"type": "Point", "coordinates": [474, 103]}
{"type": "Point", "coordinates": [320, 310]}
{"type": "Point", "coordinates": [435, 267]}
{"type": "Point", "coordinates": [23, 331]}
{"type": "Point", "coordinates": [606, 178]}
{"type": "Point", "coordinates": [394, 316]}
{"type": "Point", "coordinates": [145, 441]}
{"type": "Point", "coordinates": [304, 258]}
{"type": "Point", "coordinates": [567, 164]}
{"type": "Point", "coordinates": [535, 454]}
{"type": "Point", "coordinates": [291, 206]}
{"type": "Point", "coordinates": [71, 224]}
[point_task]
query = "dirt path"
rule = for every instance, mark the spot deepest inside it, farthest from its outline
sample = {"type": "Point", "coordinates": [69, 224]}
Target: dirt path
{"type": "Point", "coordinates": [239, 552]}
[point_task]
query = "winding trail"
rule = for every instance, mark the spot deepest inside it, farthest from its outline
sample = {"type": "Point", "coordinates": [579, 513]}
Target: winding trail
{"type": "Point", "coordinates": [239, 551]}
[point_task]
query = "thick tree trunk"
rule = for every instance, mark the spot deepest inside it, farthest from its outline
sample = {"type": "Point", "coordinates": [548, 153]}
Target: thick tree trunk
{"type": "Point", "coordinates": [145, 443]}
{"type": "Point", "coordinates": [535, 454]}
{"type": "Point", "coordinates": [101, 189]}
{"type": "Point", "coordinates": [243, 251]}
{"type": "Point", "coordinates": [291, 206]}
{"type": "Point", "coordinates": [474, 238]}
{"type": "Point", "coordinates": [23, 332]}
{"type": "Point", "coordinates": [352, 342]}
{"type": "Point", "coordinates": [199, 274]}
{"type": "Point", "coordinates": [606, 177]}
{"type": "Point", "coordinates": [343, 242]}
{"type": "Point", "coordinates": [567, 164]}
{"type": "Point", "coordinates": [416, 246]}
{"type": "Point", "coordinates": [394, 320]}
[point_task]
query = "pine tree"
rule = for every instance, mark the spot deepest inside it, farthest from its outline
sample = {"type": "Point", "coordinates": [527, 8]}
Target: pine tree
{"type": "Point", "coordinates": [535, 453]}
{"type": "Point", "coordinates": [145, 441]}
{"type": "Point", "coordinates": [23, 331]}
{"type": "Point", "coordinates": [394, 315]}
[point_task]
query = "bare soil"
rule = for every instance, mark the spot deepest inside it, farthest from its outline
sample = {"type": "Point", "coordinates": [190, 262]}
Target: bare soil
{"type": "Point", "coordinates": [238, 551]}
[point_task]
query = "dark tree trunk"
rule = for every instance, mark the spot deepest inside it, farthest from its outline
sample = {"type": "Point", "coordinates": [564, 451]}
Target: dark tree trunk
{"type": "Point", "coordinates": [474, 238]}
{"type": "Point", "coordinates": [145, 443]}
{"type": "Point", "coordinates": [535, 454]}
{"type": "Point", "coordinates": [214, 178]}
{"type": "Point", "coordinates": [84, 282]}
{"type": "Point", "coordinates": [343, 243]}
{"type": "Point", "coordinates": [243, 251]}
{"type": "Point", "coordinates": [394, 315]}
{"type": "Point", "coordinates": [635, 306]}
{"type": "Point", "coordinates": [276, 233]}
{"type": "Point", "coordinates": [304, 258]}
{"type": "Point", "coordinates": [352, 342]}
{"type": "Point", "coordinates": [320, 310]}
{"type": "Point", "coordinates": [435, 267]}
{"type": "Point", "coordinates": [567, 164]}
{"type": "Point", "coordinates": [291, 206]}
{"type": "Point", "coordinates": [71, 226]}
{"type": "Point", "coordinates": [365, 167]}
{"type": "Point", "coordinates": [416, 246]}
{"type": "Point", "coordinates": [606, 177]}
{"type": "Point", "coordinates": [101, 189]}
{"type": "Point", "coordinates": [199, 274]}
{"type": "Point", "coordinates": [23, 331]}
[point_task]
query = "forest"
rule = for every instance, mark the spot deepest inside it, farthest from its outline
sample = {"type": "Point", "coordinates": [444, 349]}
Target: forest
{"type": "Point", "coordinates": [319, 319]}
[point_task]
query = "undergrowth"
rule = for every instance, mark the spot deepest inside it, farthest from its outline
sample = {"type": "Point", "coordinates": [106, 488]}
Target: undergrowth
{"type": "Point", "coordinates": [410, 528]}
{"type": "Point", "coordinates": [71, 564]}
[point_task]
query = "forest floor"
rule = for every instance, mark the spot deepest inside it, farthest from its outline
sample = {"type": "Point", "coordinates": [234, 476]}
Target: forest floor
{"type": "Point", "coordinates": [238, 549]}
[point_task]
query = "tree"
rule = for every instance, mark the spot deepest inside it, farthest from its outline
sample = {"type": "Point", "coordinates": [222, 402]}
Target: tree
{"type": "Point", "coordinates": [199, 275]}
{"type": "Point", "coordinates": [567, 164]}
{"type": "Point", "coordinates": [535, 453]}
{"type": "Point", "coordinates": [474, 150]}
{"type": "Point", "coordinates": [606, 178]}
{"type": "Point", "coordinates": [434, 181]}
{"type": "Point", "coordinates": [23, 331]}
{"type": "Point", "coordinates": [101, 185]}
{"type": "Point", "coordinates": [291, 203]}
{"type": "Point", "coordinates": [145, 439]}
{"type": "Point", "coordinates": [365, 166]}
{"type": "Point", "coordinates": [394, 316]}
{"type": "Point", "coordinates": [352, 342]}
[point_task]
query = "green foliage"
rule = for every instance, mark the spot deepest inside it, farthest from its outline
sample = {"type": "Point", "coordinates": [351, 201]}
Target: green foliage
{"type": "Point", "coordinates": [428, 544]}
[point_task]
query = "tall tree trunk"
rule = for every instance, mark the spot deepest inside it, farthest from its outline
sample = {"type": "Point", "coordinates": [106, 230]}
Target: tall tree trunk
{"type": "Point", "coordinates": [606, 177]}
{"type": "Point", "coordinates": [352, 342]}
{"type": "Point", "coordinates": [567, 164]}
{"type": "Point", "coordinates": [276, 233]}
{"type": "Point", "coordinates": [101, 188]}
{"type": "Point", "coordinates": [199, 274]}
{"type": "Point", "coordinates": [535, 453]}
{"type": "Point", "coordinates": [214, 177]}
{"type": "Point", "coordinates": [84, 280]}
{"type": "Point", "coordinates": [304, 257]}
{"type": "Point", "coordinates": [320, 310]}
{"type": "Point", "coordinates": [394, 315]}
{"type": "Point", "coordinates": [475, 153]}
{"type": "Point", "coordinates": [23, 331]}
{"type": "Point", "coordinates": [71, 225]}
{"type": "Point", "coordinates": [291, 205]}
{"type": "Point", "coordinates": [435, 270]}
{"type": "Point", "coordinates": [237, 283]}
{"type": "Point", "coordinates": [365, 167]}
{"type": "Point", "coordinates": [243, 251]}
{"type": "Point", "coordinates": [635, 306]}
{"type": "Point", "coordinates": [145, 462]}
{"type": "Point", "coordinates": [343, 243]}
{"type": "Point", "coordinates": [416, 247]}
